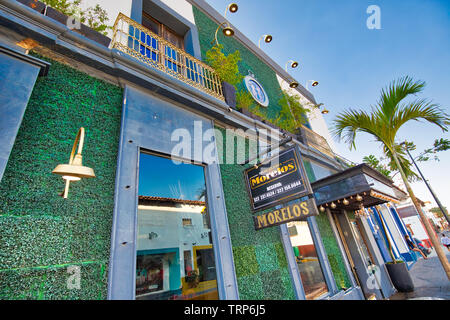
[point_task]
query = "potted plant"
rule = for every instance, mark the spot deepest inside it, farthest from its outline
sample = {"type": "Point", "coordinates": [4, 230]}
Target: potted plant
{"type": "Point", "coordinates": [192, 278]}
{"type": "Point", "coordinates": [293, 113]}
{"type": "Point", "coordinates": [92, 21]}
{"type": "Point", "coordinates": [226, 67]}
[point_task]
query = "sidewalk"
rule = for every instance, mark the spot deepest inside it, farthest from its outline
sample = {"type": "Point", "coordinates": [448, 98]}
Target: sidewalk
{"type": "Point", "coordinates": [430, 280]}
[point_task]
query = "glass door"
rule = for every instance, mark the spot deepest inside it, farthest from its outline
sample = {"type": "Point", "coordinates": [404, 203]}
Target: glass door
{"type": "Point", "coordinates": [174, 252]}
{"type": "Point", "coordinates": [307, 260]}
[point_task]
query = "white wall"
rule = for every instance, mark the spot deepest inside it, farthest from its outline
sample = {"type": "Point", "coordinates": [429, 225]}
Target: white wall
{"type": "Point", "coordinates": [182, 7]}
{"type": "Point", "coordinates": [416, 227]}
{"type": "Point", "coordinates": [166, 222]}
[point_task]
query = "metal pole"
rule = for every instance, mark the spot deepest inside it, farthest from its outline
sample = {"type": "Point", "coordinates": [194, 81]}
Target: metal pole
{"type": "Point", "coordinates": [429, 188]}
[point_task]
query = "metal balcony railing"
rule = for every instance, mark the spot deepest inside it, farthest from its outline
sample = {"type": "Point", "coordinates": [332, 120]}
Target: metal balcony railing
{"type": "Point", "coordinates": [137, 41]}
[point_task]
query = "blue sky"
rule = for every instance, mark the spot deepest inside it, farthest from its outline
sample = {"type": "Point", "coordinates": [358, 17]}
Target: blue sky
{"type": "Point", "coordinates": [333, 45]}
{"type": "Point", "coordinates": [160, 177]}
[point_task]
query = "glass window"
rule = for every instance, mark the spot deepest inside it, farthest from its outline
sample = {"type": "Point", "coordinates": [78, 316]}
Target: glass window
{"type": "Point", "coordinates": [307, 260]}
{"type": "Point", "coordinates": [175, 256]}
{"type": "Point", "coordinates": [321, 172]}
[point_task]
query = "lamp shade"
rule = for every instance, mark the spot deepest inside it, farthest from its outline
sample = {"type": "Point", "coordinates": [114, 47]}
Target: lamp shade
{"type": "Point", "coordinates": [227, 31]}
{"type": "Point", "coordinates": [74, 170]}
{"type": "Point", "coordinates": [71, 170]}
{"type": "Point", "coordinates": [233, 7]}
{"type": "Point", "coordinates": [293, 84]}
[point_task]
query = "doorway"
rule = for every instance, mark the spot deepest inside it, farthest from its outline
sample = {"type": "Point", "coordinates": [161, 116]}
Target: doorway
{"type": "Point", "coordinates": [358, 254]}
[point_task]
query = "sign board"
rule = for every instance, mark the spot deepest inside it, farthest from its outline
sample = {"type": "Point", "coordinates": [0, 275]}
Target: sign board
{"type": "Point", "coordinates": [270, 186]}
{"type": "Point", "coordinates": [293, 212]}
{"type": "Point", "coordinates": [256, 90]}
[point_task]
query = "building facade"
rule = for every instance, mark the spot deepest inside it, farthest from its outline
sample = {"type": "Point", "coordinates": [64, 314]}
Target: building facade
{"type": "Point", "coordinates": [146, 227]}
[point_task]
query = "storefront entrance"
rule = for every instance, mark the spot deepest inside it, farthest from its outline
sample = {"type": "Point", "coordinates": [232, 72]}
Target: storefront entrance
{"type": "Point", "coordinates": [358, 254]}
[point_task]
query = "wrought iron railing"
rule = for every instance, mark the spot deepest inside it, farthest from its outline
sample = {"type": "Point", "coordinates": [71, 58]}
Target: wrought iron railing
{"type": "Point", "coordinates": [137, 41]}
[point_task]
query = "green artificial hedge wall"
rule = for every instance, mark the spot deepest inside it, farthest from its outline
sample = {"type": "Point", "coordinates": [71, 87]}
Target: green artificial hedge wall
{"type": "Point", "coordinates": [261, 266]}
{"type": "Point", "coordinates": [263, 73]}
{"type": "Point", "coordinates": [260, 261]}
{"type": "Point", "coordinates": [334, 254]}
{"type": "Point", "coordinates": [42, 234]}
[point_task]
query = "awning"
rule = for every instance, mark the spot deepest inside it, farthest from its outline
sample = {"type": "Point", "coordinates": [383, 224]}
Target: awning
{"type": "Point", "coordinates": [356, 186]}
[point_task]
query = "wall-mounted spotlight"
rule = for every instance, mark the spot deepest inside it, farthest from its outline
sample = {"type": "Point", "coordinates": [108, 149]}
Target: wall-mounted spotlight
{"type": "Point", "coordinates": [293, 64]}
{"type": "Point", "coordinates": [267, 39]}
{"type": "Point", "coordinates": [314, 83]}
{"type": "Point", "coordinates": [75, 170]}
{"type": "Point", "coordinates": [293, 84]}
{"type": "Point", "coordinates": [227, 32]}
{"type": "Point", "coordinates": [232, 7]}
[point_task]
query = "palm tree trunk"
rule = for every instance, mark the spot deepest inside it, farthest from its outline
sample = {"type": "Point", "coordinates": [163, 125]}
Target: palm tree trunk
{"type": "Point", "coordinates": [437, 245]}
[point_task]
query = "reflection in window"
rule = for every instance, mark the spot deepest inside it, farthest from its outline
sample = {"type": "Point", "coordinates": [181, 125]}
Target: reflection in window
{"type": "Point", "coordinates": [175, 256]}
{"type": "Point", "coordinates": [307, 260]}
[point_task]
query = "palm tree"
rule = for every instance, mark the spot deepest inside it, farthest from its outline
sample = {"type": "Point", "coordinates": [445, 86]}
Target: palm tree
{"type": "Point", "coordinates": [389, 114]}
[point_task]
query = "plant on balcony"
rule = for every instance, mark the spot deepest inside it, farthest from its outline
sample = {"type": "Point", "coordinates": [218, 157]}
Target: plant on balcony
{"type": "Point", "coordinates": [293, 113]}
{"type": "Point", "coordinates": [226, 66]}
{"type": "Point", "coordinates": [244, 100]}
{"type": "Point", "coordinates": [94, 17]}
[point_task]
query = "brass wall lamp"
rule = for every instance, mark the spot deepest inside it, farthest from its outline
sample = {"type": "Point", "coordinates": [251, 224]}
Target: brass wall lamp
{"type": "Point", "coordinates": [227, 31]}
{"type": "Point", "coordinates": [293, 84]}
{"type": "Point", "coordinates": [267, 39]}
{"type": "Point", "coordinates": [293, 64]}
{"type": "Point", "coordinates": [75, 170]}
{"type": "Point", "coordinates": [232, 7]}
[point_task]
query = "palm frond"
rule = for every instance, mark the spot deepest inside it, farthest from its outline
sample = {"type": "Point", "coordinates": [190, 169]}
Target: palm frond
{"type": "Point", "coordinates": [348, 123]}
{"type": "Point", "coordinates": [405, 164]}
{"type": "Point", "coordinates": [392, 96]}
{"type": "Point", "coordinates": [421, 109]}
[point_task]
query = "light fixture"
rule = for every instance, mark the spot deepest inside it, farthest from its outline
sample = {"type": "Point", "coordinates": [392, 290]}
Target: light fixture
{"type": "Point", "coordinates": [227, 32]}
{"type": "Point", "coordinates": [358, 197]}
{"type": "Point", "coordinates": [294, 64]}
{"type": "Point", "coordinates": [314, 83]}
{"type": "Point", "coordinates": [333, 205]}
{"type": "Point", "coordinates": [345, 201]}
{"type": "Point", "coordinates": [325, 111]}
{"type": "Point", "coordinates": [322, 209]}
{"type": "Point", "coordinates": [267, 39]}
{"type": "Point", "coordinates": [75, 170]}
{"type": "Point", "coordinates": [293, 84]}
{"type": "Point", "coordinates": [232, 7]}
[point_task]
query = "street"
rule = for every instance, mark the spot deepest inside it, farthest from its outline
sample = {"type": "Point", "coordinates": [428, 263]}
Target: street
{"type": "Point", "coordinates": [430, 281]}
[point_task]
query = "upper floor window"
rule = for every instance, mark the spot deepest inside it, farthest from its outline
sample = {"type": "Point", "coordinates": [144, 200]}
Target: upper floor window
{"type": "Point", "coordinates": [162, 30]}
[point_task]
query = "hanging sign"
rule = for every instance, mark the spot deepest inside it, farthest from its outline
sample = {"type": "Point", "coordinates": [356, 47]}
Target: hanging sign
{"type": "Point", "coordinates": [293, 212]}
{"type": "Point", "coordinates": [269, 186]}
{"type": "Point", "coordinates": [256, 90]}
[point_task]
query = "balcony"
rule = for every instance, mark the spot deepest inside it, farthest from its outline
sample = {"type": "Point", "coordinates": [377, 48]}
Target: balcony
{"type": "Point", "coordinates": [139, 42]}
